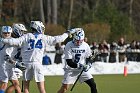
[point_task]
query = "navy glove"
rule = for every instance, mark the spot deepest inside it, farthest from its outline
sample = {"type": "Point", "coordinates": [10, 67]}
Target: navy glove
{"type": "Point", "coordinates": [20, 65]}
{"type": "Point", "coordinates": [8, 59]}
{"type": "Point", "coordinates": [71, 31]}
{"type": "Point", "coordinates": [90, 60]}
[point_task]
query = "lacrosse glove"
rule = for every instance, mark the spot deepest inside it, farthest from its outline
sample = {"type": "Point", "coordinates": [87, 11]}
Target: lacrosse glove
{"type": "Point", "coordinates": [71, 31]}
{"type": "Point", "coordinates": [8, 59]}
{"type": "Point", "coordinates": [84, 67]}
{"type": "Point", "coordinates": [74, 30]}
{"type": "Point", "coordinates": [20, 65]}
{"type": "Point", "coordinates": [90, 59]}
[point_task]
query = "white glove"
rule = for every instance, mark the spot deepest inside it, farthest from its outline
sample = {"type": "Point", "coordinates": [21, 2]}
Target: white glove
{"type": "Point", "coordinates": [87, 67]}
{"type": "Point", "coordinates": [84, 67]}
{"type": "Point", "coordinates": [20, 65]}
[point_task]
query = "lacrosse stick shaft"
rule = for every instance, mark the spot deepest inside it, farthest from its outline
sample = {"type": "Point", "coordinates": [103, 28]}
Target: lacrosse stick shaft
{"type": "Point", "coordinates": [76, 80]}
{"type": "Point", "coordinates": [22, 86]}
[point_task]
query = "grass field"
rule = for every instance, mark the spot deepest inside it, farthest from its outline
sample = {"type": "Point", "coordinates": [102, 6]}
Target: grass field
{"type": "Point", "coordinates": [105, 84]}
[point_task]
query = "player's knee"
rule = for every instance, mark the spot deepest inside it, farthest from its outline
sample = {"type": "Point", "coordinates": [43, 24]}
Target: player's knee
{"type": "Point", "coordinates": [91, 83]}
{"type": "Point", "coordinates": [63, 89]}
{"type": "Point", "coordinates": [15, 84]}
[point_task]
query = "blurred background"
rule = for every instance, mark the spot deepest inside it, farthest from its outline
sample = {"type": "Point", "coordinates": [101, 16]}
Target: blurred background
{"type": "Point", "coordinates": [101, 19]}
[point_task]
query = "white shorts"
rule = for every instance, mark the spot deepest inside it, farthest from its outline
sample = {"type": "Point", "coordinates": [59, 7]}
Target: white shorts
{"type": "Point", "coordinates": [71, 76]}
{"type": "Point", "coordinates": [7, 74]}
{"type": "Point", "coordinates": [34, 69]}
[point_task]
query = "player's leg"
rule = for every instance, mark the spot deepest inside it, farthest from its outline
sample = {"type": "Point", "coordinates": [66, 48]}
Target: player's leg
{"type": "Point", "coordinates": [3, 79]}
{"type": "Point", "coordinates": [69, 78]}
{"type": "Point", "coordinates": [41, 87]}
{"type": "Point", "coordinates": [16, 86]}
{"type": "Point", "coordinates": [3, 86]}
{"type": "Point", "coordinates": [27, 76]}
{"type": "Point", "coordinates": [10, 88]}
{"type": "Point", "coordinates": [14, 80]}
{"type": "Point", "coordinates": [88, 79]}
{"type": "Point", "coordinates": [39, 77]}
{"type": "Point", "coordinates": [92, 85]}
{"type": "Point", "coordinates": [63, 88]}
{"type": "Point", "coordinates": [26, 86]}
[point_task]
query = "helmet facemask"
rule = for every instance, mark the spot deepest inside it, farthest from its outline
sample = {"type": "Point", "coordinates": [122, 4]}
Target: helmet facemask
{"type": "Point", "coordinates": [6, 31]}
{"type": "Point", "coordinates": [78, 37]}
{"type": "Point", "coordinates": [78, 42]}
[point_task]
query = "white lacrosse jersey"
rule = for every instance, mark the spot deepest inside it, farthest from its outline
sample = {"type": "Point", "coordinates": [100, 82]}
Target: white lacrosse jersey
{"type": "Point", "coordinates": [78, 54]}
{"type": "Point", "coordinates": [34, 45]}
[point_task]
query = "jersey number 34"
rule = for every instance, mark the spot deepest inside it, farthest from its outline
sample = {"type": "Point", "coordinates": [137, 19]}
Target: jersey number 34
{"type": "Point", "coordinates": [33, 45]}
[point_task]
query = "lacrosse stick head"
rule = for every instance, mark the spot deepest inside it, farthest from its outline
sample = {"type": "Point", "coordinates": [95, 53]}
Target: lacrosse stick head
{"type": "Point", "coordinates": [91, 58]}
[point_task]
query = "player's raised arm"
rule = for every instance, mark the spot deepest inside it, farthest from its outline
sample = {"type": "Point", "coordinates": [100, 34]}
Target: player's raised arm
{"type": "Point", "coordinates": [52, 40]}
{"type": "Point", "coordinates": [13, 41]}
{"type": "Point", "coordinates": [62, 37]}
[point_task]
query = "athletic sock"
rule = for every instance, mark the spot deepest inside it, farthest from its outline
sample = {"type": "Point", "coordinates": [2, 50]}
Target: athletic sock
{"type": "Point", "coordinates": [1, 91]}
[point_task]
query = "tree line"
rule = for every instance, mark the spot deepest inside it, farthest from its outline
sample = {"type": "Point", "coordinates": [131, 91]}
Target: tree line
{"type": "Point", "coordinates": [101, 19]}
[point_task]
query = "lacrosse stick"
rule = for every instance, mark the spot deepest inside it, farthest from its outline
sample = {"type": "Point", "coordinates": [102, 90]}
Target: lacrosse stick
{"type": "Point", "coordinates": [91, 58]}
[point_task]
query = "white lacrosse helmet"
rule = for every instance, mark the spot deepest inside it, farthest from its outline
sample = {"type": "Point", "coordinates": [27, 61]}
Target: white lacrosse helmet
{"type": "Point", "coordinates": [19, 29]}
{"type": "Point", "coordinates": [6, 29]}
{"type": "Point", "coordinates": [38, 26]}
{"type": "Point", "coordinates": [79, 36]}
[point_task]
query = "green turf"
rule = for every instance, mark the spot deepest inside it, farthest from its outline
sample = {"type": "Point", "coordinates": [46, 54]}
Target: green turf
{"type": "Point", "coordinates": [105, 84]}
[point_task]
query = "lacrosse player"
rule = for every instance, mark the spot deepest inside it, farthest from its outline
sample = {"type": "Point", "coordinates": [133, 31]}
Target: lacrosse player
{"type": "Point", "coordinates": [33, 47]}
{"type": "Point", "coordinates": [6, 68]}
{"type": "Point", "coordinates": [76, 52]}
{"type": "Point", "coordinates": [18, 30]}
